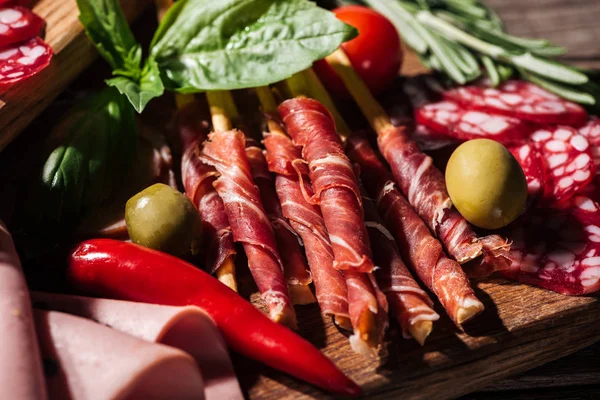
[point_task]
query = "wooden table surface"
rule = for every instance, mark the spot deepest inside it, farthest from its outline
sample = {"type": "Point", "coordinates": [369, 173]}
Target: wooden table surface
{"type": "Point", "coordinates": [574, 24]}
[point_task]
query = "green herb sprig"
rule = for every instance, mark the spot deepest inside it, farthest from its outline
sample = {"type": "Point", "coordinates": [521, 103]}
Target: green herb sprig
{"type": "Point", "coordinates": [464, 39]}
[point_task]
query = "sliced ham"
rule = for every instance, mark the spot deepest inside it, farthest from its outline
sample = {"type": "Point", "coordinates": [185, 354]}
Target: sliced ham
{"type": "Point", "coordinates": [21, 375]}
{"type": "Point", "coordinates": [333, 181]}
{"type": "Point", "coordinates": [179, 327]}
{"type": "Point", "coordinates": [423, 253]}
{"type": "Point", "coordinates": [292, 256]}
{"type": "Point", "coordinates": [225, 151]}
{"type": "Point", "coordinates": [307, 221]}
{"type": "Point", "coordinates": [425, 188]}
{"type": "Point", "coordinates": [86, 361]}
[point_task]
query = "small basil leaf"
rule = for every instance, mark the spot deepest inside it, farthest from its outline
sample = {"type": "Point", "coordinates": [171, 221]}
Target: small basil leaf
{"type": "Point", "coordinates": [139, 91]}
{"type": "Point", "coordinates": [232, 44]}
{"type": "Point", "coordinates": [108, 29]}
{"type": "Point", "coordinates": [87, 153]}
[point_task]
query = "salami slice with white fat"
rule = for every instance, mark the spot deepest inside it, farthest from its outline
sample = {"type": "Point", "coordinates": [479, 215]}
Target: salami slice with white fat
{"type": "Point", "coordinates": [568, 159]}
{"type": "Point", "coordinates": [23, 60]}
{"type": "Point", "coordinates": [558, 249]}
{"type": "Point", "coordinates": [448, 118]}
{"type": "Point", "coordinates": [530, 158]}
{"type": "Point", "coordinates": [18, 24]}
{"type": "Point", "coordinates": [521, 100]}
{"type": "Point", "coordinates": [591, 131]}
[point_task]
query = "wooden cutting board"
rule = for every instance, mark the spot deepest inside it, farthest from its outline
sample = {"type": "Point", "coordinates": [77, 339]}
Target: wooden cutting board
{"type": "Point", "coordinates": [23, 102]}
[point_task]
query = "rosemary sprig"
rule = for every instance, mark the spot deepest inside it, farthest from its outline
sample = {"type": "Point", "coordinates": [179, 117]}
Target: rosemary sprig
{"type": "Point", "coordinates": [463, 39]}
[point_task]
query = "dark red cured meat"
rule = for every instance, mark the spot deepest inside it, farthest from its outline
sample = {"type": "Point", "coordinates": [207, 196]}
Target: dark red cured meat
{"type": "Point", "coordinates": [249, 223]}
{"type": "Point", "coordinates": [312, 128]}
{"type": "Point", "coordinates": [521, 100]}
{"type": "Point", "coordinates": [21, 61]}
{"type": "Point", "coordinates": [18, 24]}
{"type": "Point", "coordinates": [529, 157]}
{"type": "Point", "coordinates": [198, 181]}
{"type": "Point", "coordinates": [559, 249]}
{"type": "Point", "coordinates": [409, 302]}
{"type": "Point", "coordinates": [568, 159]}
{"type": "Point", "coordinates": [423, 253]}
{"type": "Point", "coordinates": [425, 188]}
{"type": "Point", "coordinates": [307, 221]}
{"type": "Point", "coordinates": [448, 118]}
{"type": "Point", "coordinates": [294, 264]}
{"type": "Point", "coordinates": [591, 131]}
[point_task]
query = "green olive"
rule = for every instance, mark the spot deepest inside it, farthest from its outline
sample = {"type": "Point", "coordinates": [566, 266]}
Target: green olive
{"type": "Point", "coordinates": [486, 183]}
{"type": "Point", "coordinates": [161, 218]}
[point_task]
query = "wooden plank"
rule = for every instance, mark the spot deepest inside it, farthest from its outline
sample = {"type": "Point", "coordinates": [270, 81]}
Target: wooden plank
{"type": "Point", "coordinates": [23, 102]}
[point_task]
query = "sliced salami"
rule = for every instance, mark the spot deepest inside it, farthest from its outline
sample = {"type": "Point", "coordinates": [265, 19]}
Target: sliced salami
{"type": "Point", "coordinates": [21, 61]}
{"type": "Point", "coordinates": [591, 131]}
{"type": "Point", "coordinates": [522, 100]}
{"type": "Point", "coordinates": [530, 158]}
{"type": "Point", "coordinates": [428, 140]}
{"type": "Point", "coordinates": [18, 24]}
{"type": "Point", "coordinates": [450, 119]}
{"type": "Point", "coordinates": [559, 249]}
{"type": "Point", "coordinates": [568, 159]}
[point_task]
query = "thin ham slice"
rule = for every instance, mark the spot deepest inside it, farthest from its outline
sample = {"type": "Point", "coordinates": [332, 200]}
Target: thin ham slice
{"type": "Point", "coordinates": [21, 375]}
{"type": "Point", "coordinates": [418, 247]}
{"type": "Point", "coordinates": [312, 128]}
{"type": "Point", "coordinates": [87, 361]}
{"type": "Point", "coordinates": [225, 151]}
{"type": "Point", "coordinates": [178, 327]}
{"type": "Point", "coordinates": [198, 179]}
{"type": "Point", "coordinates": [294, 263]}
{"type": "Point", "coordinates": [410, 304]}
{"type": "Point", "coordinates": [307, 221]}
{"type": "Point", "coordinates": [425, 188]}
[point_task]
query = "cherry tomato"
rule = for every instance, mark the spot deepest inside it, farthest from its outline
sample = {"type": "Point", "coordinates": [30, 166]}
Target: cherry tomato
{"type": "Point", "coordinates": [376, 53]}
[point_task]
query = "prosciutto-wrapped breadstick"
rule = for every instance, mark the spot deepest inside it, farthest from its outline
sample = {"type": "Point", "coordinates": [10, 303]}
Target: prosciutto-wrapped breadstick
{"type": "Point", "coordinates": [336, 190]}
{"type": "Point", "coordinates": [225, 151]}
{"type": "Point", "coordinates": [198, 179]}
{"type": "Point", "coordinates": [423, 252]}
{"type": "Point", "coordinates": [422, 183]}
{"type": "Point", "coordinates": [21, 375]}
{"type": "Point", "coordinates": [411, 305]}
{"type": "Point", "coordinates": [292, 256]}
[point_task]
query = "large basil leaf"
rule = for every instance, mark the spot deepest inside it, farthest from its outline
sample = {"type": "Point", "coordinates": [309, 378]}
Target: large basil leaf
{"type": "Point", "coordinates": [141, 90]}
{"type": "Point", "coordinates": [88, 152]}
{"type": "Point", "coordinates": [231, 44]}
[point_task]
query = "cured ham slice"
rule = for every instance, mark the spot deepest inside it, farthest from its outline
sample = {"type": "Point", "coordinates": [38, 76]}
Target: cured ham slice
{"type": "Point", "coordinates": [569, 163]}
{"type": "Point", "coordinates": [410, 304]}
{"type": "Point", "coordinates": [424, 254]}
{"type": "Point", "coordinates": [529, 157]}
{"type": "Point", "coordinates": [335, 186]}
{"type": "Point", "coordinates": [558, 249]}
{"type": "Point", "coordinates": [425, 188]}
{"type": "Point", "coordinates": [521, 100]}
{"type": "Point", "coordinates": [21, 61]}
{"type": "Point", "coordinates": [18, 24]}
{"type": "Point", "coordinates": [294, 264]}
{"type": "Point", "coordinates": [178, 327]}
{"type": "Point", "coordinates": [448, 118]}
{"type": "Point", "coordinates": [307, 221]}
{"type": "Point", "coordinates": [21, 375]}
{"type": "Point", "coordinates": [225, 151]}
{"type": "Point", "coordinates": [87, 361]}
{"type": "Point", "coordinates": [198, 179]}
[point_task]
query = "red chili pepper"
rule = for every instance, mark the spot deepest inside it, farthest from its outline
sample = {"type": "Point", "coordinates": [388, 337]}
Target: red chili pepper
{"type": "Point", "coordinates": [120, 270]}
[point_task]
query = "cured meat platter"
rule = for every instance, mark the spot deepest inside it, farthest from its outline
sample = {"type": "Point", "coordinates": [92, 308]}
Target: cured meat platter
{"type": "Point", "coordinates": [336, 228]}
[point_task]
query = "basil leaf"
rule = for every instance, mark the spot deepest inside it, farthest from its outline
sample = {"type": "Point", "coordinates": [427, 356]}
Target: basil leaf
{"type": "Point", "coordinates": [108, 29]}
{"type": "Point", "coordinates": [140, 91]}
{"type": "Point", "coordinates": [233, 44]}
{"type": "Point", "coordinates": [88, 151]}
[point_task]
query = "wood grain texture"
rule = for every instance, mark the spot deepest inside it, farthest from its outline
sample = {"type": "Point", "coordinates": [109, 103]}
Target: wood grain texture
{"type": "Point", "coordinates": [23, 102]}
